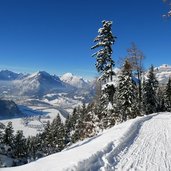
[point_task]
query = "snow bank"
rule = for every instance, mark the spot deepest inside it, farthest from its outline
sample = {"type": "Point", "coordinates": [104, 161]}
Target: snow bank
{"type": "Point", "coordinates": [96, 153]}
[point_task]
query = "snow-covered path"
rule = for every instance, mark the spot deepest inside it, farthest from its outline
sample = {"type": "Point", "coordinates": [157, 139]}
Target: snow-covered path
{"type": "Point", "coordinates": [141, 144]}
{"type": "Point", "coordinates": [151, 150]}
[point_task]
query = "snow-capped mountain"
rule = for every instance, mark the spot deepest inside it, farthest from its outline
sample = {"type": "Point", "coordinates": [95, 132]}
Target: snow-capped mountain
{"type": "Point", "coordinates": [40, 83]}
{"type": "Point", "coordinates": [6, 75]}
{"type": "Point", "coordinates": [163, 73]}
{"type": "Point", "coordinates": [75, 81]}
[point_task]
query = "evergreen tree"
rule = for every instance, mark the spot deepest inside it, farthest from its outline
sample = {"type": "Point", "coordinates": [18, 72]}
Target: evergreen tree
{"type": "Point", "coordinates": [46, 138]}
{"type": "Point", "coordinates": [32, 147]}
{"type": "Point", "coordinates": [161, 99]}
{"type": "Point", "coordinates": [127, 105]}
{"type": "Point", "coordinates": [105, 40]}
{"type": "Point", "coordinates": [8, 137]}
{"type": "Point", "coordinates": [79, 125]}
{"type": "Point", "coordinates": [1, 136]}
{"type": "Point", "coordinates": [57, 134]}
{"type": "Point", "coordinates": [150, 86]}
{"type": "Point", "coordinates": [19, 145]}
{"type": "Point", "coordinates": [103, 108]}
{"type": "Point", "coordinates": [61, 134]}
{"type": "Point", "coordinates": [68, 129]}
{"type": "Point", "coordinates": [73, 119]}
{"type": "Point", "coordinates": [2, 127]}
{"type": "Point", "coordinates": [168, 95]}
{"type": "Point", "coordinates": [91, 123]}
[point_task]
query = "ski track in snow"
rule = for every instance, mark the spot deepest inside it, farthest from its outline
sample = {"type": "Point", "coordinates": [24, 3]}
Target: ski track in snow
{"type": "Point", "coordinates": [151, 149]}
{"type": "Point", "coordinates": [146, 148]}
{"type": "Point", "coordinates": [110, 157]}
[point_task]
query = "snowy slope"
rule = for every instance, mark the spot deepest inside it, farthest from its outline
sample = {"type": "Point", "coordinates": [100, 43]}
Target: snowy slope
{"type": "Point", "coordinates": [139, 144]}
{"type": "Point", "coordinates": [34, 117]}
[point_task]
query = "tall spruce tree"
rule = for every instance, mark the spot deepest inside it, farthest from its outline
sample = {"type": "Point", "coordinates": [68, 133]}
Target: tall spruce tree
{"type": "Point", "coordinates": [161, 99]}
{"type": "Point", "coordinates": [91, 121]}
{"type": "Point", "coordinates": [104, 41]}
{"type": "Point", "coordinates": [8, 137]}
{"type": "Point", "coordinates": [32, 147]}
{"type": "Point", "coordinates": [168, 95]}
{"type": "Point", "coordinates": [2, 127]}
{"type": "Point", "coordinates": [20, 145]}
{"type": "Point", "coordinates": [68, 129]}
{"type": "Point", "coordinates": [46, 138]}
{"type": "Point", "coordinates": [57, 133]}
{"type": "Point", "coordinates": [61, 134]}
{"type": "Point", "coordinates": [127, 105]}
{"type": "Point", "coordinates": [150, 86]}
{"type": "Point", "coordinates": [79, 125]}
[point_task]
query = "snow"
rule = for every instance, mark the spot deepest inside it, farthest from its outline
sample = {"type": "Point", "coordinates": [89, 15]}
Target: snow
{"type": "Point", "coordinates": [138, 144]}
{"type": "Point", "coordinates": [163, 73]}
{"type": "Point", "coordinates": [34, 124]}
{"type": "Point", "coordinates": [19, 125]}
{"type": "Point", "coordinates": [151, 149]}
{"type": "Point", "coordinates": [74, 81]}
{"type": "Point", "coordinates": [110, 106]}
{"type": "Point", "coordinates": [64, 102]}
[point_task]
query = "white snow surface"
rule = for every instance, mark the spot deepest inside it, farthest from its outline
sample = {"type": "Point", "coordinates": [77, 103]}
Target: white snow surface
{"type": "Point", "coordinates": [75, 81]}
{"type": "Point", "coordinates": [139, 144]}
{"type": "Point", "coordinates": [163, 73]}
{"type": "Point", "coordinates": [19, 125]}
{"type": "Point", "coordinates": [35, 124]}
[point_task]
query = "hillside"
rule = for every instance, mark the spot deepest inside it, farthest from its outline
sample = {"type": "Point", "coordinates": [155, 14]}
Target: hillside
{"type": "Point", "coordinates": [8, 109]}
{"type": "Point", "coordinates": [138, 144]}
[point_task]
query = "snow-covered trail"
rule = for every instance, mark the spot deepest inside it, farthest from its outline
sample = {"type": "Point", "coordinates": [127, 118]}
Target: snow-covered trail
{"type": "Point", "coordinates": [141, 144]}
{"type": "Point", "coordinates": [151, 150]}
{"type": "Point", "coordinates": [146, 146]}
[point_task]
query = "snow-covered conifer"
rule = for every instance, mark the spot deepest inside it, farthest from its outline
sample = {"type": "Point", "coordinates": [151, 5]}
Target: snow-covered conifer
{"type": "Point", "coordinates": [19, 149]}
{"type": "Point", "coordinates": [168, 95]}
{"type": "Point", "coordinates": [8, 137]}
{"type": "Point", "coordinates": [127, 106]}
{"type": "Point", "coordinates": [104, 41]}
{"type": "Point", "coordinates": [2, 127]}
{"type": "Point", "coordinates": [57, 133]}
{"type": "Point", "coordinates": [79, 125]}
{"type": "Point", "coordinates": [150, 103]}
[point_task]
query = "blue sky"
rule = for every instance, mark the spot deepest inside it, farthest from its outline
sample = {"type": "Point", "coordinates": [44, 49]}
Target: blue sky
{"type": "Point", "coordinates": [56, 36]}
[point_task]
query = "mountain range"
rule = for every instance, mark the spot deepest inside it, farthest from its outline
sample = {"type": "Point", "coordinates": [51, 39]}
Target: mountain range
{"type": "Point", "coordinates": [6, 75]}
{"type": "Point", "coordinates": [41, 83]}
